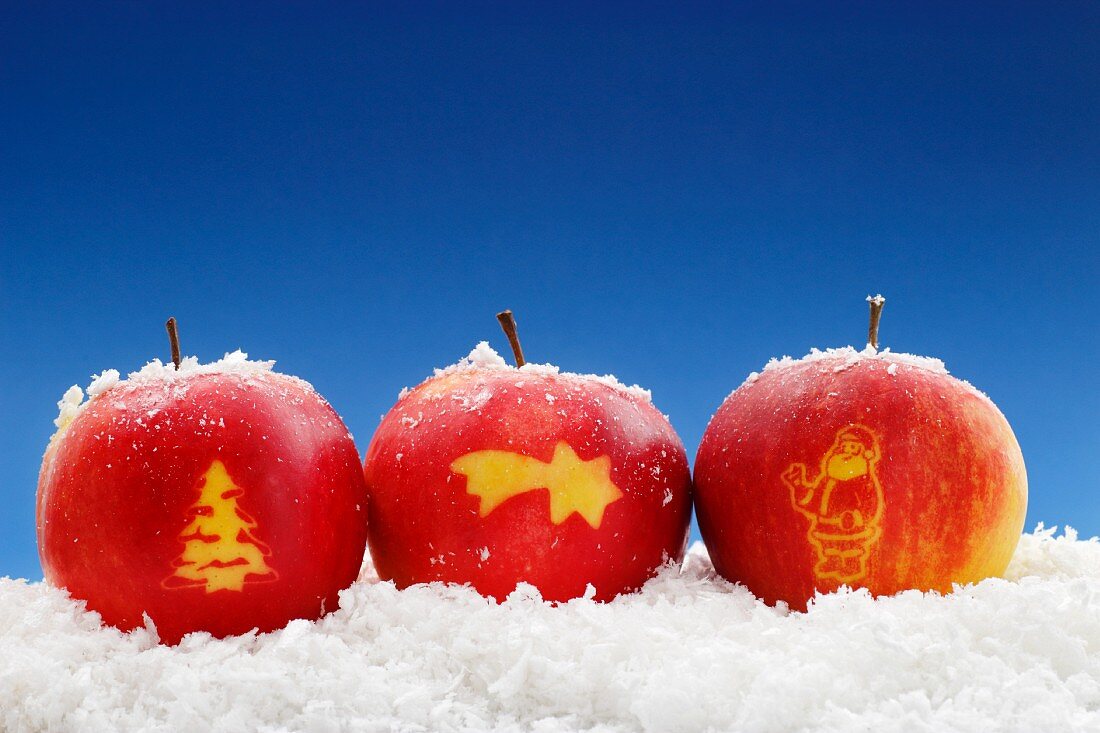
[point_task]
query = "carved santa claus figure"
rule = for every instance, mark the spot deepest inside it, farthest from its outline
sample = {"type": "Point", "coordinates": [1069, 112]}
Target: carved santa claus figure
{"type": "Point", "coordinates": [844, 504]}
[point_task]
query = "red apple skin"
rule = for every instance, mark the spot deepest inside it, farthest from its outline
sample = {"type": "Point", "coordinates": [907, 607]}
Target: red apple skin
{"type": "Point", "coordinates": [952, 479]}
{"type": "Point", "coordinates": [425, 526]}
{"type": "Point", "coordinates": [119, 485]}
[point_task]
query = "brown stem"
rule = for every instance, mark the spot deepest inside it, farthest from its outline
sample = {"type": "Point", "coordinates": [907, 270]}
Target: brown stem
{"type": "Point", "coordinates": [508, 323]}
{"type": "Point", "coordinates": [876, 302]}
{"type": "Point", "coordinates": [174, 339]}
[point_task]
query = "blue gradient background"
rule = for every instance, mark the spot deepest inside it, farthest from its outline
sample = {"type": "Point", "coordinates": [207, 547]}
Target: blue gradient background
{"type": "Point", "coordinates": [670, 194]}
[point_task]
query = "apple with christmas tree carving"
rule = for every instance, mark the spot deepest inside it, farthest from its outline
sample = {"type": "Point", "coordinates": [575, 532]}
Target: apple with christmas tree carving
{"type": "Point", "coordinates": [493, 475]}
{"type": "Point", "coordinates": [861, 468]}
{"type": "Point", "coordinates": [222, 498]}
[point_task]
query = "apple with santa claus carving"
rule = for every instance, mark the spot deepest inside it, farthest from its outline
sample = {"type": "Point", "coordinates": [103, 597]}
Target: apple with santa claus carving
{"type": "Point", "coordinates": [222, 497]}
{"type": "Point", "coordinates": [493, 475]}
{"type": "Point", "coordinates": [868, 469]}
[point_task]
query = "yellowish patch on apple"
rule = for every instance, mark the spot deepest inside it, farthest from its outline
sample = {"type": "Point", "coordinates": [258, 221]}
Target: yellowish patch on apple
{"type": "Point", "coordinates": [575, 485]}
{"type": "Point", "coordinates": [220, 547]}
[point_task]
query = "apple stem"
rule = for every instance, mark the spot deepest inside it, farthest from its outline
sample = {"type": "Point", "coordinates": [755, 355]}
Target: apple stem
{"type": "Point", "coordinates": [876, 301]}
{"type": "Point", "coordinates": [508, 323]}
{"type": "Point", "coordinates": [174, 340]}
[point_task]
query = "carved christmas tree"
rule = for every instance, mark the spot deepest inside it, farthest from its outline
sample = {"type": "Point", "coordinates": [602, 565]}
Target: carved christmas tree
{"type": "Point", "coordinates": [221, 550]}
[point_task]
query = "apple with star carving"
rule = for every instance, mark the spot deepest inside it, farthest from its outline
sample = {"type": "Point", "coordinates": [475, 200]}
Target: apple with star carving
{"type": "Point", "coordinates": [868, 468]}
{"type": "Point", "coordinates": [493, 475]}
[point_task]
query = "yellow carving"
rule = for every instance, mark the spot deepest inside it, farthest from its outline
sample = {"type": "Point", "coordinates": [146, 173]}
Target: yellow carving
{"type": "Point", "coordinates": [575, 485]}
{"type": "Point", "coordinates": [220, 550]}
{"type": "Point", "coordinates": [844, 503]}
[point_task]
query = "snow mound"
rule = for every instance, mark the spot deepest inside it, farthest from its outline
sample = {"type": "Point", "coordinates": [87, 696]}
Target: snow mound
{"type": "Point", "coordinates": [849, 356]}
{"type": "Point", "coordinates": [687, 653]}
{"type": "Point", "coordinates": [236, 362]}
{"type": "Point", "coordinates": [846, 357]}
{"type": "Point", "coordinates": [483, 356]}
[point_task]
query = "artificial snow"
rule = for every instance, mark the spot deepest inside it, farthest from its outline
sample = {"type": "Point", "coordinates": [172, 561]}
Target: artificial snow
{"type": "Point", "coordinates": [68, 407]}
{"type": "Point", "coordinates": [688, 653]}
{"type": "Point", "coordinates": [483, 356]}
{"type": "Point", "coordinates": [848, 356]}
{"type": "Point", "coordinates": [876, 299]}
{"type": "Point", "coordinates": [236, 362]}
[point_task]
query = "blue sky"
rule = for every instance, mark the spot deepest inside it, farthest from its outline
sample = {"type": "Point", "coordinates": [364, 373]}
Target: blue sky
{"type": "Point", "coordinates": [671, 194]}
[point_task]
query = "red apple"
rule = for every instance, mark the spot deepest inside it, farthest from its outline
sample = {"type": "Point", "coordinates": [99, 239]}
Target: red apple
{"type": "Point", "coordinates": [218, 498]}
{"type": "Point", "coordinates": [491, 475]}
{"type": "Point", "coordinates": [867, 469]}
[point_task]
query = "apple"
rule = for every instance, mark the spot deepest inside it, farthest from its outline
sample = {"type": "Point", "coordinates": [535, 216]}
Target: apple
{"type": "Point", "coordinates": [222, 498]}
{"type": "Point", "coordinates": [493, 475]}
{"type": "Point", "coordinates": [867, 468]}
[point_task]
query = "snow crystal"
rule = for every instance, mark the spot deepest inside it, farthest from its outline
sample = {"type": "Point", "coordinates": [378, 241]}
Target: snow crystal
{"type": "Point", "coordinates": [484, 357]}
{"type": "Point", "coordinates": [688, 653]}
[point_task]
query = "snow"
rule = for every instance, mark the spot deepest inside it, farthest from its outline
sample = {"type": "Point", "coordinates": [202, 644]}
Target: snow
{"type": "Point", "coordinates": [68, 407]}
{"type": "Point", "coordinates": [848, 356]}
{"type": "Point", "coordinates": [102, 382]}
{"type": "Point", "coordinates": [687, 653]}
{"type": "Point", "coordinates": [236, 362]}
{"type": "Point", "coordinates": [484, 357]}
